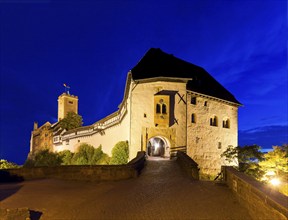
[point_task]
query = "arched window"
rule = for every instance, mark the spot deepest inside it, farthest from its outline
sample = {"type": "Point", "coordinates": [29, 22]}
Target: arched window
{"type": "Point", "coordinates": [214, 121]}
{"type": "Point", "coordinates": [158, 109]}
{"type": "Point", "coordinates": [226, 123]}
{"type": "Point", "coordinates": [164, 111]}
{"type": "Point", "coordinates": [193, 118]}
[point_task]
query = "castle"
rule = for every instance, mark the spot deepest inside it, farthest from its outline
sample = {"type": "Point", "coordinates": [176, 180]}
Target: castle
{"type": "Point", "coordinates": [168, 105]}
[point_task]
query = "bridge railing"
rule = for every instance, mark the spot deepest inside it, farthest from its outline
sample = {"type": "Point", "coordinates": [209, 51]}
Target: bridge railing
{"type": "Point", "coordinates": [262, 201]}
{"type": "Point", "coordinates": [188, 165]}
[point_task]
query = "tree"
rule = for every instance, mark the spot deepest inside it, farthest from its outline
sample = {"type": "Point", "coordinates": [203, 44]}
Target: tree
{"type": "Point", "coordinates": [120, 153]}
{"type": "Point", "coordinates": [248, 158]}
{"type": "Point", "coordinates": [276, 160]}
{"type": "Point", "coordinates": [71, 121]}
{"type": "Point", "coordinates": [4, 164]}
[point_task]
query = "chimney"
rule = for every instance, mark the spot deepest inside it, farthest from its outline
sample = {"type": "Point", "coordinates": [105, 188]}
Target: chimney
{"type": "Point", "coordinates": [35, 125]}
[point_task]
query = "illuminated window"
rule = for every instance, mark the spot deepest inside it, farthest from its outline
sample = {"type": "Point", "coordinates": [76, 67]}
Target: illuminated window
{"type": "Point", "coordinates": [193, 100]}
{"type": "Point", "coordinates": [158, 109]}
{"type": "Point", "coordinates": [193, 118]}
{"type": "Point", "coordinates": [164, 111]}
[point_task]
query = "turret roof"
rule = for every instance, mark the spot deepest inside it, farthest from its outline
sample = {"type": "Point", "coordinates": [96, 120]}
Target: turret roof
{"type": "Point", "coordinates": [157, 63]}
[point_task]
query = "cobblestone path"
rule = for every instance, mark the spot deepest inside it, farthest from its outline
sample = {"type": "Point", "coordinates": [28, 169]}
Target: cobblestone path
{"type": "Point", "coordinates": [161, 192]}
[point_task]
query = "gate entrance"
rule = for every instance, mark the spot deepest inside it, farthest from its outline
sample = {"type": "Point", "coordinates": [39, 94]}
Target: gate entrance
{"type": "Point", "coordinates": [157, 147]}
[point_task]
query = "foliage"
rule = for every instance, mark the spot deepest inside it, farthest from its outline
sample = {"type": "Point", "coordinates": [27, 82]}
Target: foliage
{"type": "Point", "coordinates": [87, 155]}
{"type": "Point", "coordinates": [276, 160]}
{"type": "Point", "coordinates": [71, 121]}
{"type": "Point", "coordinates": [104, 160]}
{"type": "Point", "coordinates": [248, 158]}
{"type": "Point", "coordinates": [231, 154]}
{"type": "Point", "coordinates": [44, 158]}
{"type": "Point", "coordinates": [4, 164]}
{"type": "Point", "coordinates": [120, 153]}
{"type": "Point", "coordinates": [66, 157]}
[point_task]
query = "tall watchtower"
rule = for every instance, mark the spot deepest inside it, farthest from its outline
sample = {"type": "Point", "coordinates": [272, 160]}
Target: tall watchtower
{"type": "Point", "coordinates": [67, 103]}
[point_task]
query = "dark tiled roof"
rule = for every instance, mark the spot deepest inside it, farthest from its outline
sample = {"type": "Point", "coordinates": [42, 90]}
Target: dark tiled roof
{"type": "Point", "coordinates": [157, 63]}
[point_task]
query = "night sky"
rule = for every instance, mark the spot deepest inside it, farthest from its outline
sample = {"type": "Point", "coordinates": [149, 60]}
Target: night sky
{"type": "Point", "coordinates": [91, 45]}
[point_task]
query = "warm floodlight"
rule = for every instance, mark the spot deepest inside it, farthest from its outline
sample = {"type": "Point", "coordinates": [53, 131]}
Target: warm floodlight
{"type": "Point", "coordinates": [156, 145]}
{"type": "Point", "coordinates": [275, 181]}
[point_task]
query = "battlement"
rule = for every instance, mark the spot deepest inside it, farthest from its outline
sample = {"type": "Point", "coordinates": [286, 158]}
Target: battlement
{"type": "Point", "coordinates": [69, 95]}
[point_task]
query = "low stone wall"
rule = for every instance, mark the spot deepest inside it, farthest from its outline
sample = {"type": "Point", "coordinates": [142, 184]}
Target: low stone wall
{"type": "Point", "coordinates": [77, 172]}
{"type": "Point", "coordinates": [261, 201]}
{"type": "Point", "coordinates": [188, 165]}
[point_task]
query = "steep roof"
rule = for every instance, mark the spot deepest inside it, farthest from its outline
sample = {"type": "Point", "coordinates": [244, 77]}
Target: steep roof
{"type": "Point", "coordinates": [157, 63]}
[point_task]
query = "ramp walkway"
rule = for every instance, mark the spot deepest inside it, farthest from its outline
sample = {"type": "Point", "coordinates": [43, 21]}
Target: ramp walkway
{"type": "Point", "coordinates": [162, 191]}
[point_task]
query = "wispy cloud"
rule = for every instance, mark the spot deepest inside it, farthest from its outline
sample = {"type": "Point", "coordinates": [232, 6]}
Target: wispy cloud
{"type": "Point", "coordinates": [266, 137]}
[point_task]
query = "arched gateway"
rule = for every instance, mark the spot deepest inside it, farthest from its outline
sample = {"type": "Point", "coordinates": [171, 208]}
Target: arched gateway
{"type": "Point", "coordinates": [158, 147]}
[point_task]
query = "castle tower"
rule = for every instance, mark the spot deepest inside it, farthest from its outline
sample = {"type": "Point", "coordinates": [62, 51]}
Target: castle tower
{"type": "Point", "coordinates": [67, 103]}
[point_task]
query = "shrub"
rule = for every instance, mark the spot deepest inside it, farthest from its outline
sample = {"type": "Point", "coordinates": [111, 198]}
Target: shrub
{"type": "Point", "coordinates": [44, 158]}
{"type": "Point", "coordinates": [4, 164]}
{"type": "Point", "coordinates": [66, 157]}
{"type": "Point", "coordinates": [87, 155]}
{"type": "Point", "coordinates": [120, 153]}
{"type": "Point", "coordinates": [104, 160]}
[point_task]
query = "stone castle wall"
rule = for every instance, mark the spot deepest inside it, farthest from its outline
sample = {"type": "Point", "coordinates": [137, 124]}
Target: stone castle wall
{"type": "Point", "coordinates": [106, 137]}
{"type": "Point", "coordinates": [205, 142]}
{"type": "Point", "coordinates": [143, 112]}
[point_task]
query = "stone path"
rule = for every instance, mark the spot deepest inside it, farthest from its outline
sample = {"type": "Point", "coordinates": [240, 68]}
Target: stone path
{"type": "Point", "coordinates": [161, 192]}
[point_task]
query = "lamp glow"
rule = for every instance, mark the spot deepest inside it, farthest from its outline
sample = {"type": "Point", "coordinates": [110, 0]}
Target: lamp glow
{"type": "Point", "coordinates": [275, 181]}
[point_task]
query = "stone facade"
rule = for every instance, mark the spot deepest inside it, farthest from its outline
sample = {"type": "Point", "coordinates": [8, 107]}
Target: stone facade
{"type": "Point", "coordinates": [41, 138]}
{"type": "Point", "coordinates": [164, 109]}
{"type": "Point", "coordinates": [67, 103]}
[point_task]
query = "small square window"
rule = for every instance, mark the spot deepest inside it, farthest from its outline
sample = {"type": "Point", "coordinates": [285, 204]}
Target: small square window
{"type": "Point", "coordinates": [193, 100]}
{"type": "Point", "coordinates": [145, 116]}
{"type": "Point", "coordinates": [70, 102]}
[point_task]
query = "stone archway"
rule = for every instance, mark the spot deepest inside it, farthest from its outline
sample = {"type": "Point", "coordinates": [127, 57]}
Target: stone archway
{"type": "Point", "coordinates": [158, 147]}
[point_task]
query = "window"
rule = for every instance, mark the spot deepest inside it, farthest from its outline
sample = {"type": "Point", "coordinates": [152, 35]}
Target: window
{"type": "Point", "coordinates": [219, 145]}
{"type": "Point", "coordinates": [164, 109]}
{"type": "Point", "coordinates": [145, 116]}
{"type": "Point", "coordinates": [70, 102]}
{"type": "Point", "coordinates": [205, 103]}
{"type": "Point", "coordinates": [158, 109]}
{"type": "Point", "coordinates": [226, 123]}
{"type": "Point", "coordinates": [193, 100]}
{"type": "Point", "coordinates": [214, 121]}
{"type": "Point", "coordinates": [193, 118]}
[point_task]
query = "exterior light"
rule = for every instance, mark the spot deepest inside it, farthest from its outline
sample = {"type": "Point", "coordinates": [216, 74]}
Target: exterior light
{"type": "Point", "coordinates": [156, 145]}
{"type": "Point", "coordinates": [275, 181]}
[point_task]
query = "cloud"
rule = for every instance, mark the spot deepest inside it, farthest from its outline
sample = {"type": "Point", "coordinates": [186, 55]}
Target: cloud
{"type": "Point", "coordinates": [266, 136]}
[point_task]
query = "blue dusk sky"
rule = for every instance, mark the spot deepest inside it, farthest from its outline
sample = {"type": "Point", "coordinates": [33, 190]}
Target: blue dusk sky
{"type": "Point", "coordinates": [91, 46]}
